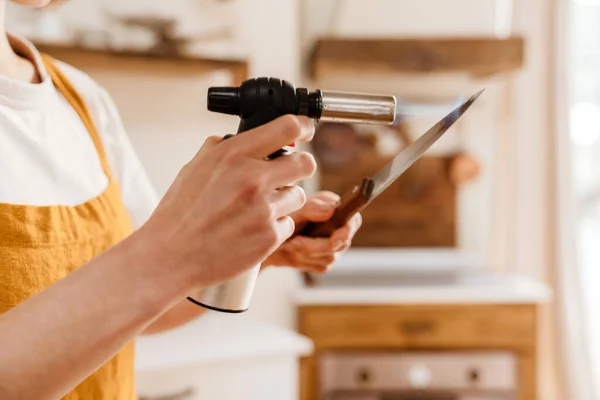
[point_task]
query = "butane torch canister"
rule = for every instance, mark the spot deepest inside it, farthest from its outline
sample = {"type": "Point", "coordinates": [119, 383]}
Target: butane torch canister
{"type": "Point", "coordinates": [261, 100]}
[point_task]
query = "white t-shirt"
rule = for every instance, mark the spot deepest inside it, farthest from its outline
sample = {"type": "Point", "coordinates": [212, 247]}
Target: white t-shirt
{"type": "Point", "coordinates": [46, 154]}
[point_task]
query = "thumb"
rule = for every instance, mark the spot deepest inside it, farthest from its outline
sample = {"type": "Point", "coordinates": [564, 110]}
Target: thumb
{"type": "Point", "coordinates": [319, 207]}
{"type": "Point", "coordinates": [212, 141]}
{"type": "Point", "coordinates": [209, 144]}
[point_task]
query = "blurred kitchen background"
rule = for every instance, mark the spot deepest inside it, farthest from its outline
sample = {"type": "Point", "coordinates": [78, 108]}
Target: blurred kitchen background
{"type": "Point", "coordinates": [474, 277]}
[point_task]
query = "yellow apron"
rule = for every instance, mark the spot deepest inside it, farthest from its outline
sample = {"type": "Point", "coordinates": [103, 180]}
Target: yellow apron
{"type": "Point", "coordinates": [40, 245]}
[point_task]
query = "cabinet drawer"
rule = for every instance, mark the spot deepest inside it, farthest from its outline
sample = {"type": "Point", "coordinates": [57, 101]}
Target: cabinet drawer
{"type": "Point", "coordinates": [405, 371]}
{"type": "Point", "coordinates": [419, 326]}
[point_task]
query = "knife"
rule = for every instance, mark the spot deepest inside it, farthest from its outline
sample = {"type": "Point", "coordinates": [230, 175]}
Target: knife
{"type": "Point", "coordinates": [361, 195]}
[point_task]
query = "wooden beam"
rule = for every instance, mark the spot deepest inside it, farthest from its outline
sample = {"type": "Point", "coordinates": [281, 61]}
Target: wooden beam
{"type": "Point", "coordinates": [476, 56]}
{"type": "Point", "coordinates": [88, 58]}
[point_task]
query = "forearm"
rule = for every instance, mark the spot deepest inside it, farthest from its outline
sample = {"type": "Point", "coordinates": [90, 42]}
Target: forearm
{"type": "Point", "coordinates": [183, 312]}
{"type": "Point", "coordinates": [53, 340]}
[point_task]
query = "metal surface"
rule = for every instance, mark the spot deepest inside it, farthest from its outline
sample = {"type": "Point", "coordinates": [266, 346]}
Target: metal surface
{"type": "Point", "coordinates": [232, 296]}
{"type": "Point", "coordinates": [358, 108]}
{"type": "Point", "coordinates": [481, 375]}
{"type": "Point", "coordinates": [412, 153]}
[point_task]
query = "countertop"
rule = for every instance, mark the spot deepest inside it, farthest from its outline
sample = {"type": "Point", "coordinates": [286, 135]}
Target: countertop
{"type": "Point", "coordinates": [468, 289]}
{"type": "Point", "coordinates": [217, 338]}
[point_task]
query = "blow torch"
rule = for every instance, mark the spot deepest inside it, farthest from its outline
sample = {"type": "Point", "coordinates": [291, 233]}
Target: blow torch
{"type": "Point", "coordinates": [260, 100]}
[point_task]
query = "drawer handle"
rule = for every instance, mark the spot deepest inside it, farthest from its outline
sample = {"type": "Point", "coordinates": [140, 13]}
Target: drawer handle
{"type": "Point", "coordinates": [363, 376]}
{"type": "Point", "coordinates": [183, 395]}
{"type": "Point", "coordinates": [416, 327]}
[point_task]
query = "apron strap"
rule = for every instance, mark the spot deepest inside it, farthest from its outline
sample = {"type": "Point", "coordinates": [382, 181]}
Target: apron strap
{"type": "Point", "coordinates": [64, 86]}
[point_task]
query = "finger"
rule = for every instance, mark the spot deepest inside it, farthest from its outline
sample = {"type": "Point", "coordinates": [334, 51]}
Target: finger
{"type": "Point", "coordinates": [318, 265]}
{"type": "Point", "coordinates": [348, 231]}
{"type": "Point", "coordinates": [209, 144]}
{"type": "Point", "coordinates": [327, 196]}
{"type": "Point", "coordinates": [355, 223]}
{"type": "Point", "coordinates": [285, 228]}
{"type": "Point", "coordinates": [289, 169]}
{"type": "Point", "coordinates": [310, 247]}
{"type": "Point", "coordinates": [287, 200]}
{"type": "Point", "coordinates": [341, 239]}
{"type": "Point", "coordinates": [266, 139]}
{"type": "Point", "coordinates": [318, 208]}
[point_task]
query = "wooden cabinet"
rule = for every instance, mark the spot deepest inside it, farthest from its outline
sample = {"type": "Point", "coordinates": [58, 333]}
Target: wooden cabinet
{"type": "Point", "coordinates": [454, 327]}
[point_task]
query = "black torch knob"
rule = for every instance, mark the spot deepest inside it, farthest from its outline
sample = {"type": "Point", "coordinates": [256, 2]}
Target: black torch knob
{"type": "Point", "coordinates": [224, 100]}
{"type": "Point", "coordinates": [258, 101]}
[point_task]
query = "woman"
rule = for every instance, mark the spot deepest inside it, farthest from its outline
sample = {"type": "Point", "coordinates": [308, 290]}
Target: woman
{"type": "Point", "coordinates": [89, 258]}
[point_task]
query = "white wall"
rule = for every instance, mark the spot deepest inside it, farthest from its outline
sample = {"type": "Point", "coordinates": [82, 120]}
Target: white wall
{"type": "Point", "coordinates": [534, 181]}
{"type": "Point", "coordinates": [167, 121]}
{"type": "Point", "coordinates": [424, 18]}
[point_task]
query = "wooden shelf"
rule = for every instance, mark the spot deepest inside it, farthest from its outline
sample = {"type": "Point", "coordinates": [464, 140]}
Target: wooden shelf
{"type": "Point", "coordinates": [84, 59]}
{"type": "Point", "coordinates": [475, 56]}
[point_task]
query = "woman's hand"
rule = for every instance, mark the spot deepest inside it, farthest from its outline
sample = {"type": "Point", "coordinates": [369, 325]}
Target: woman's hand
{"type": "Point", "coordinates": [221, 216]}
{"type": "Point", "coordinates": [315, 254]}
{"type": "Point", "coordinates": [224, 214]}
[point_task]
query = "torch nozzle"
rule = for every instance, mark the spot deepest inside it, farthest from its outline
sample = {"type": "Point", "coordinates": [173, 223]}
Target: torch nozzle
{"type": "Point", "coordinates": [358, 108]}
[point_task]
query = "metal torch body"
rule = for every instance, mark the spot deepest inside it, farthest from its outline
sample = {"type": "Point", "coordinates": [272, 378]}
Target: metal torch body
{"type": "Point", "coordinates": [261, 100]}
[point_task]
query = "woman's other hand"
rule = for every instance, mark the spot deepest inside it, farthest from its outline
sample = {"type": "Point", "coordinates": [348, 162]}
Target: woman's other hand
{"type": "Point", "coordinates": [315, 254]}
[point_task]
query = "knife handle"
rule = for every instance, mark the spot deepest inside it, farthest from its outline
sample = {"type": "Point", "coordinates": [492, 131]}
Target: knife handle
{"type": "Point", "coordinates": [350, 203]}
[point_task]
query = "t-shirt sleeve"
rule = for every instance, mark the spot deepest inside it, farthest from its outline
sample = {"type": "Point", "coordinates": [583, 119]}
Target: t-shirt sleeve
{"type": "Point", "coordinates": [138, 193]}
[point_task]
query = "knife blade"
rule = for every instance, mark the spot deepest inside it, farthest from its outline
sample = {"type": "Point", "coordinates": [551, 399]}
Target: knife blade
{"type": "Point", "coordinates": [361, 195]}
